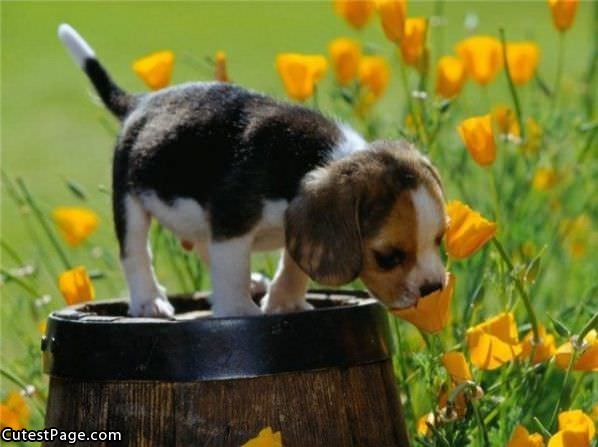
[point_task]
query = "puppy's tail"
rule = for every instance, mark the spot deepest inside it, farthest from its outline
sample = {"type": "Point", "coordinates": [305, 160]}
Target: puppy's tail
{"type": "Point", "coordinates": [114, 98]}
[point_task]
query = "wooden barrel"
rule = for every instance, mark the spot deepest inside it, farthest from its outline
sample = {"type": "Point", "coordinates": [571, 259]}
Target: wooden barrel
{"type": "Point", "coordinates": [321, 378]}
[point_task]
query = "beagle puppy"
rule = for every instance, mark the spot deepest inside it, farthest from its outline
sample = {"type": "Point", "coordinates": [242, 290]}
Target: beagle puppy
{"type": "Point", "coordinates": [233, 171]}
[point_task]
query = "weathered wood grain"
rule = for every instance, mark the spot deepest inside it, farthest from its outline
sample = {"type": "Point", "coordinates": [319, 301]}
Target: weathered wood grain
{"type": "Point", "coordinates": [353, 407]}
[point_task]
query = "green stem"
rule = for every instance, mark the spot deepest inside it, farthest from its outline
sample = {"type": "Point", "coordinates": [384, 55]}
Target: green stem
{"type": "Point", "coordinates": [592, 324]}
{"type": "Point", "coordinates": [563, 387]}
{"type": "Point", "coordinates": [512, 89]}
{"type": "Point", "coordinates": [522, 292]}
{"type": "Point", "coordinates": [21, 384]}
{"type": "Point", "coordinates": [11, 252]}
{"type": "Point", "coordinates": [559, 70]}
{"type": "Point", "coordinates": [415, 117]}
{"type": "Point", "coordinates": [33, 292]}
{"type": "Point", "coordinates": [403, 373]}
{"type": "Point", "coordinates": [44, 224]}
{"type": "Point", "coordinates": [480, 421]}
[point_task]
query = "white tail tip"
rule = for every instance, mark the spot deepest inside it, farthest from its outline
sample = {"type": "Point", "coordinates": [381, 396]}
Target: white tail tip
{"type": "Point", "coordinates": [79, 49]}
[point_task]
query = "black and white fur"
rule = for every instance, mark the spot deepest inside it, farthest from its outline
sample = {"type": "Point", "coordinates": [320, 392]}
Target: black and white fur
{"type": "Point", "coordinates": [217, 165]}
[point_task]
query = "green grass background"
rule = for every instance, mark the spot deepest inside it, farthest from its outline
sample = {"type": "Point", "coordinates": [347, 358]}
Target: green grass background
{"type": "Point", "coordinates": [53, 128]}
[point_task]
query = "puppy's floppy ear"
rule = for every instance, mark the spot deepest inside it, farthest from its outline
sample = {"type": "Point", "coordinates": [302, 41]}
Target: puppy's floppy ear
{"type": "Point", "coordinates": [322, 226]}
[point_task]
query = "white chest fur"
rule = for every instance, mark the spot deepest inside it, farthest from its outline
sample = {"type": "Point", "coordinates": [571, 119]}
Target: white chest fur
{"type": "Point", "coordinates": [190, 221]}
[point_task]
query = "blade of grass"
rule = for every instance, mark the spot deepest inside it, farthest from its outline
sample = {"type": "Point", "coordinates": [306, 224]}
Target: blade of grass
{"type": "Point", "coordinates": [41, 218]}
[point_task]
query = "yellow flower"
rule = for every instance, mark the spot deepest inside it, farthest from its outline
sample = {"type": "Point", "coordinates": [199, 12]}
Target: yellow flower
{"type": "Point", "coordinates": [576, 429]}
{"type": "Point", "coordinates": [41, 327]}
{"type": "Point", "coordinates": [571, 437]}
{"type": "Point", "coordinates": [432, 312]}
{"type": "Point", "coordinates": [545, 179]}
{"type": "Point", "coordinates": [522, 438]}
{"type": "Point", "coordinates": [522, 58]}
{"type": "Point", "coordinates": [422, 424]}
{"type": "Point", "coordinates": [220, 72]}
{"type": "Point", "coordinates": [374, 74]}
{"type": "Point", "coordinates": [266, 438]}
{"type": "Point", "coordinates": [578, 235]}
{"type": "Point", "coordinates": [356, 12]}
{"type": "Point", "coordinates": [467, 230]}
{"type": "Point", "coordinates": [505, 120]}
{"type": "Point", "coordinates": [456, 366]}
{"type": "Point", "coordinates": [494, 342]}
{"type": "Point", "coordinates": [14, 412]}
{"type": "Point", "coordinates": [392, 15]}
{"type": "Point", "coordinates": [155, 69]}
{"type": "Point", "coordinates": [545, 349]}
{"type": "Point", "coordinates": [572, 418]}
{"type": "Point", "coordinates": [345, 54]}
{"type": "Point", "coordinates": [533, 136]}
{"type": "Point", "coordinates": [300, 73]}
{"type": "Point", "coordinates": [450, 76]}
{"type": "Point", "coordinates": [482, 56]}
{"type": "Point", "coordinates": [478, 137]}
{"type": "Point", "coordinates": [75, 223]}
{"type": "Point", "coordinates": [75, 286]}
{"type": "Point", "coordinates": [563, 13]}
{"type": "Point", "coordinates": [587, 359]}
{"type": "Point", "coordinates": [413, 42]}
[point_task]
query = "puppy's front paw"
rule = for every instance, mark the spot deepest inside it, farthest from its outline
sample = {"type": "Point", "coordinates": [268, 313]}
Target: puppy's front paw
{"type": "Point", "coordinates": [279, 306]}
{"type": "Point", "coordinates": [159, 307]}
{"type": "Point", "coordinates": [259, 284]}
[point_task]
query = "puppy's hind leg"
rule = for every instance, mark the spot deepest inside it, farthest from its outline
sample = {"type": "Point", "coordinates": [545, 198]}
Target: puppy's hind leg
{"type": "Point", "coordinates": [230, 273]}
{"type": "Point", "coordinates": [287, 291]}
{"type": "Point", "coordinates": [148, 298]}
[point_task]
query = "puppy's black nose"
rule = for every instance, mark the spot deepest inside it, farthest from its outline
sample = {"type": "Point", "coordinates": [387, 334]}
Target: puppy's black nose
{"type": "Point", "coordinates": [429, 287]}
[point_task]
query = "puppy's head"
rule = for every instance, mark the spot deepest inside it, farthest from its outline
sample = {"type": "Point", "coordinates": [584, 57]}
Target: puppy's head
{"type": "Point", "coordinates": [378, 215]}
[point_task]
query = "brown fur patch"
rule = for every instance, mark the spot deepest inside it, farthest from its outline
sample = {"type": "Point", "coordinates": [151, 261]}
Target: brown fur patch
{"type": "Point", "coordinates": [356, 205]}
{"type": "Point", "coordinates": [397, 232]}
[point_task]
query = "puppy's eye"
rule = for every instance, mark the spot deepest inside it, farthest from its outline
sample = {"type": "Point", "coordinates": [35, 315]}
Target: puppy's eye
{"type": "Point", "coordinates": [391, 259]}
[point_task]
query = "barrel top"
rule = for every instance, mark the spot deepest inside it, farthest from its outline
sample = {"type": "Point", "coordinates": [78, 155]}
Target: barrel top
{"type": "Point", "coordinates": [98, 341]}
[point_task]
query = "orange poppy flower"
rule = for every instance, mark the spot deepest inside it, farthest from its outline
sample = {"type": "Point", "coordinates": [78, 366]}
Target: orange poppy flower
{"type": "Point", "coordinates": [467, 231]}
{"type": "Point", "coordinates": [505, 120]}
{"type": "Point", "coordinates": [545, 349]}
{"type": "Point", "coordinates": [577, 234]}
{"type": "Point", "coordinates": [392, 15]}
{"type": "Point", "coordinates": [220, 71]}
{"type": "Point", "coordinates": [482, 56]}
{"type": "Point", "coordinates": [155, 69]}
{"type": "Point", "coordinates": [522, 58]}
{"type": "Point", "coordinates": [300, 73]}
{"type": "Point", "coordinates": [494, 342]}
{"type": "Point", "coordinates": [432, 312]}
{"type": "Point", "coordinates": [563, 13]}
{"type": "Point", "coordinates": [457, 367]}
{"type": "Point", "coordinates": [576, 429]}
{"type": "Point", "coordinates": [265, 438]}
{"type": "Point", "coordinates": [345, 54]}
{"type": "Point", "coordinates": [545, 179]}
{"type": "Point", "coordinates": [522, 438]}
{"type": "Point", "coordinates": [413, 42]}
{"type": "Point", "coordinates": [374, 74]}
{"type": "Point", "coordinates": [478, 136]}
{"type": "Point", "coordinates": [356, 12]}
{"type": "Point", "coordinates": [450, 76]}
{"type": "Point", "coordinates": [588, 358]}
{"type": "Point", "coordinates": [75, 286]}
{"type": "Point", "coordinates": [75, 223]}
{"type": "Point", "coordinates": [14, 412]}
